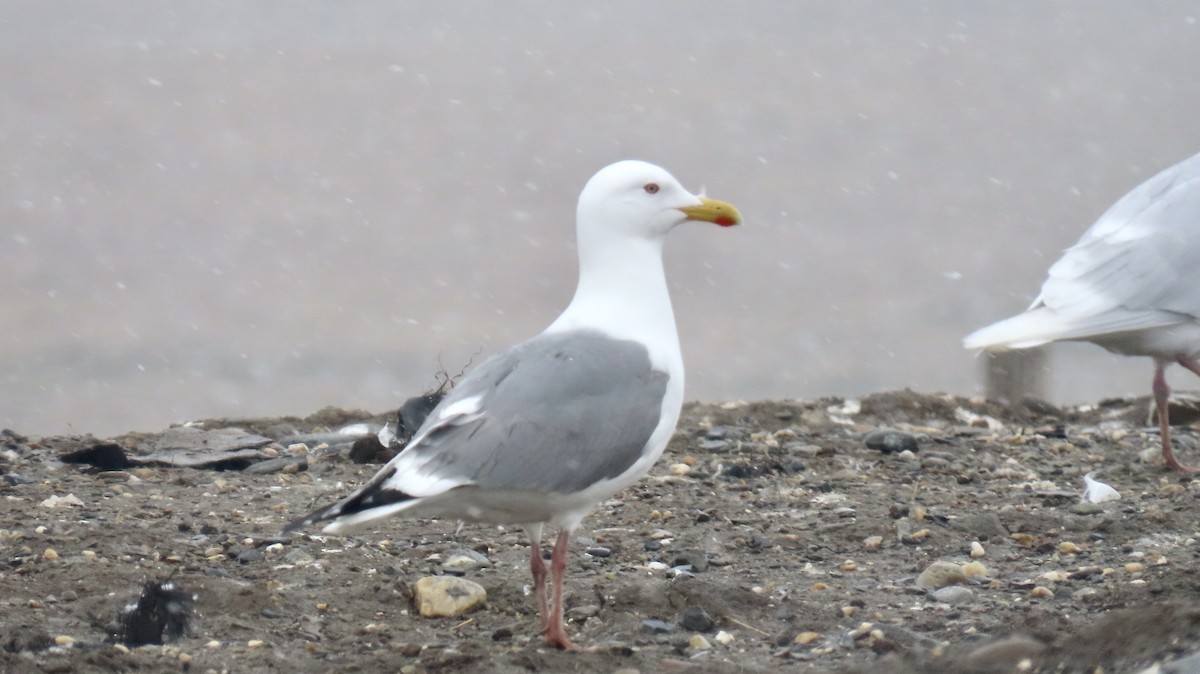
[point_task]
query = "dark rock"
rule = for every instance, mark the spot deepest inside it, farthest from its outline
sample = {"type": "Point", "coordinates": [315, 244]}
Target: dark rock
{"type": "Point", "coordinates": [249, 555]}
{"type": "Point", "coordinates": [696, 559]}
{"type": "Point", "coordinates": [598, 551]}
{"type": "Point", "coordinates": [105, 456]}
{"type": "Point", "coordinates": [696, 619]}
{"type": "Point", "coordinates": [716, 433]}
{"type": "Point", "coordinates": [365, 450]}
{"type": "Point", "coordinates": [502, 634]}
{"type": "Point", "coordinates": [888, 441]}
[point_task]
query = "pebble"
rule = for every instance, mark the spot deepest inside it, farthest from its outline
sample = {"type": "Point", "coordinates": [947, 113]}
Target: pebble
{"type": "Point", "coordinates": [655, 626]}
{"type": "Point", "coordinates": [447, 596]}
{"type": "Point", "coordinates": [680, 469]}
{"type": "Point", "coordinates": [977, 550]}
{"type": "Point", "coordinates": [580, 614]}
{"type": "Point", "coordinates": [696, 619]}
{"type": "Point", "coordinates": [714, 445]}
{"type": "Point", "coordinates": [805, 638]}
{"type": "Point", "coordinates": [1005, 654]}
{"type": "Point", "coordinates": [699, 643]}
{"type": "Point", "coordinates": [598, 551]}
{"type": "Point", "coordinates": [724, 638]}
{"type": "Point", "coordinates": [249, 555]}
{"type": "Point", "coordinates": [941, 574]}
{"type": "Point", "coordinates": [873, 542]}
{"type": "Point", "coordinates": [50, 554]}
{"type": "Point", "coordinates": [1069, 548]}
{"type": "Point", "coordinates": [64, 640]}
{"type": "Point", "coordinates": [463, 561]}
{"type": "Point", "coordinates": [696, 559]}
{"type": "Point", "coordinates": [975, 569]}
{"type": "Point", "coordinates": [953, 594]}
{"type": "Point", "coordinates": [888, 440]}
{"type": "Point", "coordinates": [1041, 592]}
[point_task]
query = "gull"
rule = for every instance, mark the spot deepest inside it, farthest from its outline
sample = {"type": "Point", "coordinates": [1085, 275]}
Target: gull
{"type": "Point", "coordinates": [540, 433]}
{"type": "Point", "coordinates": [1130, 285]}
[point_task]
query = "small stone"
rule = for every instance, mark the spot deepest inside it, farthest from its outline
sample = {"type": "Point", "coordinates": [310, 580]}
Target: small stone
{"type": "Point", "coordinates": [977, 550]}
{"type": "Point", "coordinates": [891, 441]}
{"type": "Point", "coordinates": [447, 596]}
{"type": "Point", "coordinates": [580, 614]}
{"type": "Point", "coordinates": [598, 551]}
{"type": "Point", "coordinates": [1069, 548]}
{"type": "Point", "coordinates": [185, 659]}
{"type": "Point", "coordinates": [714, 445]}
{"type": "Point", "coordinates": [64, 640]}
{"type": "Point", "coordinates": [696, 559]}
{"type": "Point", "coordinates": [941, 574]}
{"type": "Point", "coordinates": [254, 643]}
{"type": "Point", "coordinates": [1135, 567]}
{"type": "Point", "coordinates": [463, 561]}
{"type": "Point", "coordinates": [1041, 592]}
{"type": "Point", "coordinates": [975, 570]}
{"type": "Point", "coordinates": [680, 469]}
{"type": "Point", "coordinates": [873, 542]}
{"type": "Point", "coordinates": [848, 566]}
{"type": "Point", "coordinates": [699, 643]}
{"type": "Point", "coordinates": [250, 555]}
{"type": "Point", "coordinates": [849, 611]}
{"type": "Point", "coordinates": [953, 594]}
{"type": "Point", "coordinates": [655, 626]}
{"type": "Point", "coordinates": [50, 554]}
{"type": "Point", "coordinates": [213, 645]}
{"type": "Point", "coordinates": [1005, 654]}
{"type": "Point", "coordinates": [724, 638]}
{"type": "Point", "coordinates": [696, 619]}
{"type": "Point", "coordinates": [806, 638]}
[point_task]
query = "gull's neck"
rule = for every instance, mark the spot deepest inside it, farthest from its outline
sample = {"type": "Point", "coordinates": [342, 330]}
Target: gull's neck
{"type": "Point", "coordinates": [623, 293]}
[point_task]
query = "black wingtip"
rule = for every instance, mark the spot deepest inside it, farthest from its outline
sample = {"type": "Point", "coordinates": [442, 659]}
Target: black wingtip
{"type": "Point", "coordinates": [370, 495]}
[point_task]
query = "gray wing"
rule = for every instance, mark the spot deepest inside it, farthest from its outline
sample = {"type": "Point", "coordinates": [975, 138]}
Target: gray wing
{"type": "Point", "coordinates": [554, 414]}
{"type": "Point", "coordinates": [1140, 259]}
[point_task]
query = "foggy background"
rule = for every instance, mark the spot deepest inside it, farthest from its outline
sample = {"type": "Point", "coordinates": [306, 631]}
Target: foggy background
{"type": "Point", "coordinates": [243, 209]}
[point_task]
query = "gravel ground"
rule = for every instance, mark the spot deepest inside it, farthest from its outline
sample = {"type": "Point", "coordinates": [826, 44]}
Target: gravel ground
{"type": "Point", "coordinates": [771, 535]}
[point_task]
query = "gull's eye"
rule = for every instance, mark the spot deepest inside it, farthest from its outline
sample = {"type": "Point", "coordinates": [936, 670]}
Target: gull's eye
{"type": "Point", "coordinates": [651, 188]}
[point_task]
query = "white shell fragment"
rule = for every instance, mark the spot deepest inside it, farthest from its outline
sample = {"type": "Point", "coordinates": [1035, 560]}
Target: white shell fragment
{"type": "Point", "coordinates": [386, 435]}
{"type": "Point", "coordinates": [1095, 491]}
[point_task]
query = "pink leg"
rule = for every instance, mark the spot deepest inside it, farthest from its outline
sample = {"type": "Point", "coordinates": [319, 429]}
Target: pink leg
{"type": "Point", "coordinates": [1161, 392]}
{"type": "Point", "coordinates": [556, 634]}
{"type": "Point", "coordinates": [537, 566]}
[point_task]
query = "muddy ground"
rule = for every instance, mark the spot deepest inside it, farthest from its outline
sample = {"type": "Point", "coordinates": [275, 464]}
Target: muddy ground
{"type": "Point", "coordinates": [775, 519]}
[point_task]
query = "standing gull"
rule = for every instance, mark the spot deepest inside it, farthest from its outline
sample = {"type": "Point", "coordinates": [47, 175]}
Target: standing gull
{"type": "Point", "coordinates": [1131, 285]}
{"type": "Point", "coordinates": [539, 434]}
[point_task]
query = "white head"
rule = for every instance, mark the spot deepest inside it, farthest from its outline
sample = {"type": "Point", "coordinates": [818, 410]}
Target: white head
{"type": "Point", "coordinates": [642, 200]}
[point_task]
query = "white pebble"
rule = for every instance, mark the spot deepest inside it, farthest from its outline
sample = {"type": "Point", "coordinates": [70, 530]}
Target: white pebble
{"type": "Point", "coordinates": [1095, 491]}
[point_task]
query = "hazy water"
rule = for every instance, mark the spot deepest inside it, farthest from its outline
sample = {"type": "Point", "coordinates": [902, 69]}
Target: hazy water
{"type": "Point", "coordinates": [265, 208]}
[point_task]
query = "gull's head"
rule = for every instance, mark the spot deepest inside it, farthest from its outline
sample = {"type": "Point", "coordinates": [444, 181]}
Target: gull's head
{"type": "Point", "coordinates": [642, 200]}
